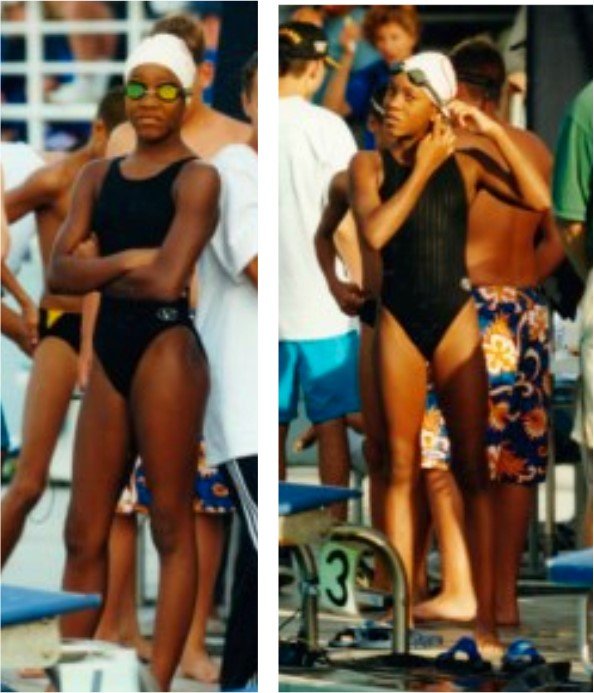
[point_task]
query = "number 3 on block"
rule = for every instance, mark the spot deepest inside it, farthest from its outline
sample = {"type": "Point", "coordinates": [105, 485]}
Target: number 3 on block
{"type": "Point", "coordinates": [338, 570]}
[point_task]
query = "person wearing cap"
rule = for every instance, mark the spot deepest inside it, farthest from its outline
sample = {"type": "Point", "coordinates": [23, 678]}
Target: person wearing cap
{"type": "Point", "coordinates": [318, 347]}
{"type": "Point", "coordinates": [411, 202]}
{"type": "Point", "coordinates": [54, 329]}
{"type": "Point", "coordinates": [393, 31]}
{"type": "Point", "coordinates": [509, 253]}
{"type": "Point", "coordinates": [136, 227]}
{"type": "Point", "coordinates": [205, 130]}
{"type": "Point", "coordinates": [360, 300]}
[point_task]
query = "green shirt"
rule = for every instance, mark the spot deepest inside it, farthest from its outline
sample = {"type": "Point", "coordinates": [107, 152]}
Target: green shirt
{"type": "Point", "coordinates": [572, 174]}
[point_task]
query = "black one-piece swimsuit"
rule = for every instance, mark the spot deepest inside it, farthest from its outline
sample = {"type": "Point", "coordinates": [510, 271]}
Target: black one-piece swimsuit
{"type": "Point", "coordinates": [131, 214]}
{"type": "Point", "coordinates": [424, 267]}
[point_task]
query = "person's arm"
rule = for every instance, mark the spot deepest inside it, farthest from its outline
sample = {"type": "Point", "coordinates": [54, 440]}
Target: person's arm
{"type": "Point", "coordinates": [13, 327]}
{"type": "Point", "coordinates": [29, 312]}
{"type": "Point", "coordinates": [335, 94]}
{"type": "Point", "coordinates": [166, 277]}
{"type": "Point", "coordinates": [347, 295]}
{"type": "Point", "coordinates": [549, 251]}
{"type": "Point", "coordinates": [379, 221]}
{"type": "Point", "coordinates": [35, 192]}
{"type": "Point", "coordinates": [72, 272]}
{"type": "Point", "coordinates": [90, 309]}
{"type": "Point", "coordinates": [121, 141]}
{"type": "Point", "coordinates": [523, 184]}
{"type": "Point", "coordinates": [573, 237]}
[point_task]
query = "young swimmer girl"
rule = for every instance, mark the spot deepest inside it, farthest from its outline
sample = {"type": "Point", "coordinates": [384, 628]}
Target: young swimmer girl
{"type": "Point", "coordinates": [150, 215]}
{"type": "Point", "coordinates": [411, 201]}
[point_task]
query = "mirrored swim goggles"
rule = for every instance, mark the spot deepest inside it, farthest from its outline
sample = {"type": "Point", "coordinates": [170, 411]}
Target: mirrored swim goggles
{"type": "Point", "coordinates": [418, 78]}
{"type": "Point", "coordinates": [166, 92]}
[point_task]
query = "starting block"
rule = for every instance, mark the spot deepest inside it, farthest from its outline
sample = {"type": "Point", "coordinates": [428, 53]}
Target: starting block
{"type": "Point", "coordinates": [574, 569]}
{"type": "Point", "coordinates": [305, 520]}
{"type": "Point", "coordinates": [29, 620]}
{"type": "Point", "coordinates": [31, 639]}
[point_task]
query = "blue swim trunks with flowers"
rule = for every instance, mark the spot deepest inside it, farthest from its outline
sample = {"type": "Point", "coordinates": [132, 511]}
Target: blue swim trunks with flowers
{"type": "Point", "coordinates": [514, 324]}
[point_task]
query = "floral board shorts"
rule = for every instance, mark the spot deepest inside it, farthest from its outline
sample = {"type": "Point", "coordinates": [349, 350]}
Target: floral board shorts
{"type": "Point", "coordinates": [211, 491]}
{"type": "Point", "coordinates": [514, 324]}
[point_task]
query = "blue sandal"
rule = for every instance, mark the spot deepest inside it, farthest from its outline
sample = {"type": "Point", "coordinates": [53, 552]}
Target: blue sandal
{"type": "Point", "coordinates": [520, 655]}
{"type": "Point", "coordinates": [463, 658]}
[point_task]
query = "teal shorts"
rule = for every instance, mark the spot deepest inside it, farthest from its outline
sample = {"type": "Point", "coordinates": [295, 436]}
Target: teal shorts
{"type": "Point", "coordinates": [326, 371]}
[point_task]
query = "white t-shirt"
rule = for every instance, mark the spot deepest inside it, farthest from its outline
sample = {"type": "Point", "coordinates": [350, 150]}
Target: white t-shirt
{"type": "Point", "coordinates": [314, 145]}
{"type": "Point", "coordinates": [227, 316]}
{"type": "Point", "coordinates": [19, 161]}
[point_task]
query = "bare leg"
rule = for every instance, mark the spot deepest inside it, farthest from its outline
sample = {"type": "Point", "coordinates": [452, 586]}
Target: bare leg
{"type": "Point", "coordinates": [374, 446]}
{"type": "Point", "coordinates": [283, 430]}
{"type": "Point", "coordinates": [515, 504]}
{"type": "Point", "coordinates": [456, 601]}
{"type": "Point", "coordinates": [101, 467]}
{"type": "Point", "coordinates": [52, 380]}
{"type": "Point", "coordinates": [422, 543]}
{"type": "Point", "coordinates": [167, 404]}
{"type": "Point", "coordinates": [119, 619]}
{"type": "Point", "coordinates": [210, 535]}
{"type": "Point", "coordinates": [374, 426]}
{"type": "Point", "coordinates": [335, 467]}
{"type": "Point", "coordinates": [403, 377]}
{"type": "Point", "coordinates": [462, 389]}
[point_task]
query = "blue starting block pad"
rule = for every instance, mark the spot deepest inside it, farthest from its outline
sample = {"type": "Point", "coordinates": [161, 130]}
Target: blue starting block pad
{"type": "Point", "coordinates": [24, 605]}
{"type": "Point", "coordinates": [30, 628]}
{"type": "Point", "coordinates": [572, 568]}
{"type": "Point", "coordinates": [297, 498]}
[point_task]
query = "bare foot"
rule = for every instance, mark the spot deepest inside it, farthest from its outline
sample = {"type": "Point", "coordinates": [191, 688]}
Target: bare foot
{"type": "Point", "coordinates": [489, 645]}
{"type": "Point", "coordinates": [142, 645]}
{"type": "Point", "coordinates": [443, 608]}
{"type": "Point", "coordinates": [199, 666]}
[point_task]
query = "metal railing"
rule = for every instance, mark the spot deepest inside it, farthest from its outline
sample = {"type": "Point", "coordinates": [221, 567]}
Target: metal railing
{"type": "Point", "coordinates": [36, 112]}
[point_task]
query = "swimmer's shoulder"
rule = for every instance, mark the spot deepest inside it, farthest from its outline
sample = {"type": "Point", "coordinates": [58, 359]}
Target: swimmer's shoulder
{"type": "Point", "coordinates": [197, 174]}
{"type": "Point", "coordinates": [365, 163]}
{"type": "Point", "coordinates": [533, 147]}
{"type": "Point", "coordinates": [121, 141]}
{"type": "Point", "coordinates": [92, 174]}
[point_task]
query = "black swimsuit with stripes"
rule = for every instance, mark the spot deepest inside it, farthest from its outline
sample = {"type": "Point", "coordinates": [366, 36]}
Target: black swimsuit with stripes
{"type": "Point", "coordinates": [424, 277]}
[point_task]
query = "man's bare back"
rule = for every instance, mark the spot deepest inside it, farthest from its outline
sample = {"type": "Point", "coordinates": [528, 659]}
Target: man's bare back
{"type": "Point", "coordinates": [505, 245]}
{"type": "Point", "coordinates": [205, 131]}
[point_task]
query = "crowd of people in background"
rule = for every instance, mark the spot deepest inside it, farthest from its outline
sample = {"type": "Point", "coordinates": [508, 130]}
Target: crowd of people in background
{"type": "Point", "coordinates": [71, 47]}
{"type": "Point", "coordinates": [450, 362]}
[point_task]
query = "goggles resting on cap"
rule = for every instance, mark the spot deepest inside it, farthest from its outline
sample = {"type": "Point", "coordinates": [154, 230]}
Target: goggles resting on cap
{"type": "Point", "coordinates": [418, 78]}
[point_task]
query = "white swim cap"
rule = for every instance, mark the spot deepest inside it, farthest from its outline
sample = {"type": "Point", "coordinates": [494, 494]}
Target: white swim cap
{"type": "Point", "coordinates": [438, 71]}
{"type": "Point", "coordinates": [166, 50]}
